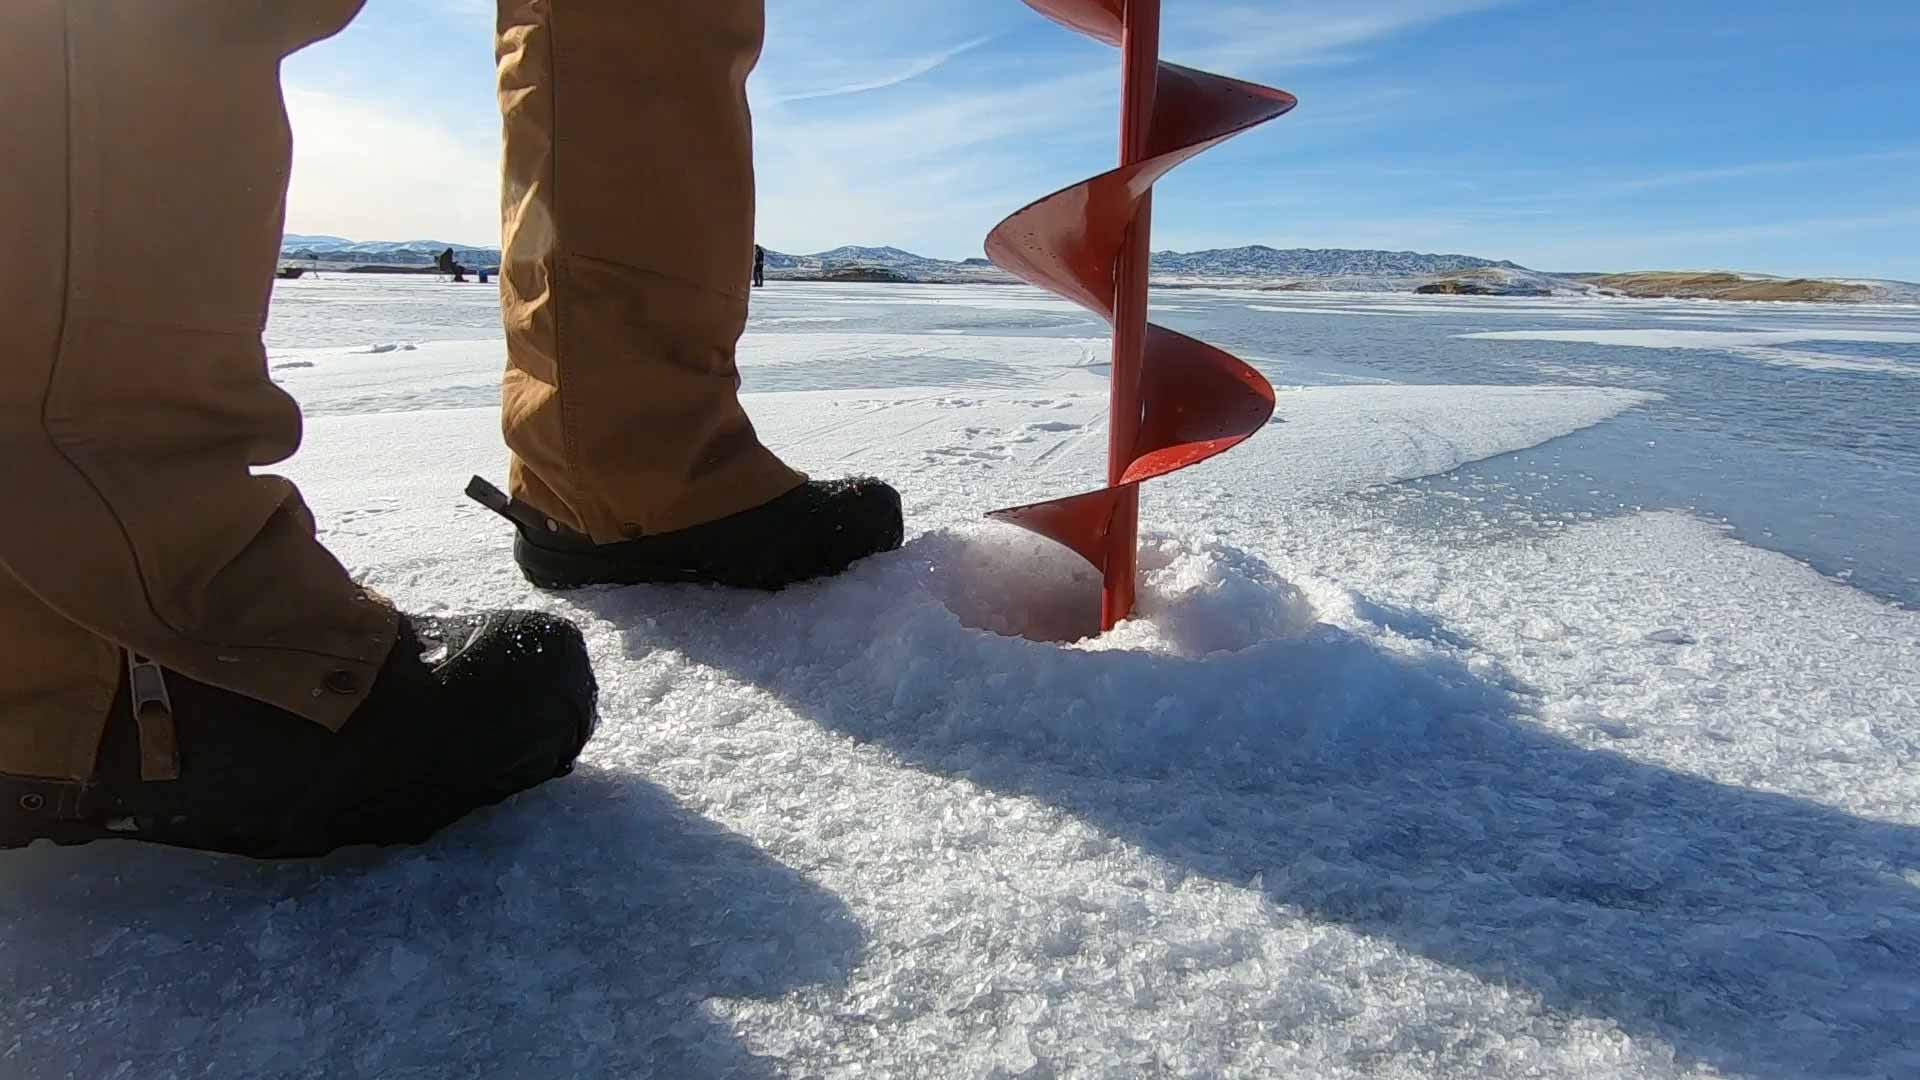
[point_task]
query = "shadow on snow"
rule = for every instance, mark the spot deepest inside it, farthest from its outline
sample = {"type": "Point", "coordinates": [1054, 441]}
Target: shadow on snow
{"type": "Point", "coordinates": [1397, 793]}
{"type": "Point", "coordinates": [578, 930]}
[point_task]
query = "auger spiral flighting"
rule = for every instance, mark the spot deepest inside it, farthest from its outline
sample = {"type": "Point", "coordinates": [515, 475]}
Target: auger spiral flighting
{"type": "Point", "coordinates": [1175, 400]}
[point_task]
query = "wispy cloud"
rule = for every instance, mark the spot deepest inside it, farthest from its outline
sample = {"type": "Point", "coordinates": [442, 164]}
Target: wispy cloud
{"type": "Point", "coordinates": [365, 170]}
{"type": "Point", "coordinates": [922, 122]}
{"type": "Point", "coordinates": [1249, 38]}
{"type": "Point", "coordinates": [939, 166]}
{"type": "Point", "coordinates": [1786, 230]}
{"type": "Point", "coordinates": [1717, 174]}
{"type": "Point", "coordinates": [919, 122]}
{"type": "Point", "coordinates": [934, 172]}
{"type": "Point", "coordinates": [913, 69]}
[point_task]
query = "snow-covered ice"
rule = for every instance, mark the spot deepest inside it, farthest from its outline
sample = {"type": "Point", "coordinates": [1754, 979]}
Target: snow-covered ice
{"type": "Point", "coordinates": [1762, 345]}
{"type": "Point", "coordinates": [1370, 787]}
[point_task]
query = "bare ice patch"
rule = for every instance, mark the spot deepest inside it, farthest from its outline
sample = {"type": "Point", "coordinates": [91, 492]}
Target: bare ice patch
{"type": "Point", "coordinates": [1765, 346]}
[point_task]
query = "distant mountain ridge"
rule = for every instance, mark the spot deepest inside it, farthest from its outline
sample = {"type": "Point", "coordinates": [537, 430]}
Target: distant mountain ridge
{"type": "Point", "coordinates": [1253, 260]}
{"type": "Point", "coordinates": [1256, 265]}
{"type": "Point", "coordinates": [1259, 260]}
{"type": "Point", "coordinates": [852, 256]}
{"type": "Point", "coordinates": [306, 247]}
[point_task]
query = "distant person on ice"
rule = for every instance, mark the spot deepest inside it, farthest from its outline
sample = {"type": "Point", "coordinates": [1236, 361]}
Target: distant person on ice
{"type": "Point", "coordinates": [759, 266]}
{"type": "Point", "coordinates": [446, 264]}
{"type": "Point", "coordinates": [180, 660]}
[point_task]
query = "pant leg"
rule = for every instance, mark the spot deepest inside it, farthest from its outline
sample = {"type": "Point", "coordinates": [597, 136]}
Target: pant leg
{"type": "Point", "coordinates": [147, 154]}
{"type": "Point", "coordinates": [627, 220]}
{"type": "Point", "coordinates": [57, 679]}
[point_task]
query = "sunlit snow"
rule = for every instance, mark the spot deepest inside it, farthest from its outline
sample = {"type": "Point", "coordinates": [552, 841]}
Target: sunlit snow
{"type": "Point", "coordinates": [1504, 708]}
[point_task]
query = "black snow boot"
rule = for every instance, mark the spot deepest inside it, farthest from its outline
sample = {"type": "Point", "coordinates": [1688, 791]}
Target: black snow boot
{"type": "Point", "coordinates": [466, 711]}
{"type": "Point", "coordinates": [817, 529]}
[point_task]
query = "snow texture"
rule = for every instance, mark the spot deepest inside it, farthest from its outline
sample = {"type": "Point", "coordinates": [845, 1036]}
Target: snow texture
{"type": "Point", "coordinates": [1346, 798]}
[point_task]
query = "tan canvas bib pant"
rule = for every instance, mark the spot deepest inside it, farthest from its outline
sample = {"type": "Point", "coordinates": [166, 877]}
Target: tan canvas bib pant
{"type": "Point", "coordinates": [143, 168]}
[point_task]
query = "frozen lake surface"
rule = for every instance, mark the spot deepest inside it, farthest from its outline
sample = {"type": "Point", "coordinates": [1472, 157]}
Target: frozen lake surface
{"type": "Point", "coordinates": [1536, 696]}
{"type": "Point", "coordinates": [1797, 424]}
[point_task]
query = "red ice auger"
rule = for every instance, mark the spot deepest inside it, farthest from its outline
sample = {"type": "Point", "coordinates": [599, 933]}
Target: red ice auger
{"type": "Point", "coordinates": [1175, 400]}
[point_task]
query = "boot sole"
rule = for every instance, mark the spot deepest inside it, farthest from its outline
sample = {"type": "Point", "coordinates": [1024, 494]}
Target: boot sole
{"type": "Point", "coordinates": [562, 571]}
{"type": "Point", "coordinates": [62, 834]}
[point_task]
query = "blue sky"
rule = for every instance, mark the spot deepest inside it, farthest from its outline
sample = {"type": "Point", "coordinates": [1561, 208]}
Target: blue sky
{"type": "Point", "coordinates": [1774, 137]}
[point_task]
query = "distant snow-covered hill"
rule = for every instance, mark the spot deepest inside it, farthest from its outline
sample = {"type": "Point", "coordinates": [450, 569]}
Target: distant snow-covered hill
{"type": "Point", "coordinates": [1258, 260]}
{"type": "Point", "coordinates": [300, 247]}
{"type": "Point", "coordinates": [905, 264]}
{"type": "Point", "coordinates": [290, 240]}
{"type": "Point", "coordinates": [1256, 265]}
{"type": "Point", "coordinates": [1254, 261]}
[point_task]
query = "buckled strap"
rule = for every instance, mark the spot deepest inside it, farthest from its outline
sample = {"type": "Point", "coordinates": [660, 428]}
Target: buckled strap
{"type": "Point", "coordinates": [526, 517]}
{"type": "Point", "coordinates": [153, 714]}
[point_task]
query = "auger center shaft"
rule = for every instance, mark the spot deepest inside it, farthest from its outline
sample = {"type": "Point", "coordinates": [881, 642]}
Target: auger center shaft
{"type": "Point", "coordinates": [1140, 53]}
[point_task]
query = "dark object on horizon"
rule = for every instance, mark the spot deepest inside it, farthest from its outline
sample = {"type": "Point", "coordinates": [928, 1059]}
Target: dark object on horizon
{"type": "Point", "coordinates": [1457, 287]}
{"type": "Point", "coordinates": [876, 274]}
{"type": "Point", "coordinates": [448, 266]}
{"type": "Point", "coordinates": [390, 268]}
{"type": "Point", "coordinates": [290, 273]}
{"type": "Point", "coordinates": [759, 266]}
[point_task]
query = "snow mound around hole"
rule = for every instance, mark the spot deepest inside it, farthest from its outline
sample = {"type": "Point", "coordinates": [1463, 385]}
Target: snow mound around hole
{"type": "Point", "coordinates": [1010, 582]}
{"type": "Point", "coordinates": [966, 645]}
{"type": "Point", "coordinates": [1194, 598]}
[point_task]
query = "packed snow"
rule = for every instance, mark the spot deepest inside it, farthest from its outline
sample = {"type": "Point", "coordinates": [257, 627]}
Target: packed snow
{"type": "Point", "coordinates": [1411, 764]}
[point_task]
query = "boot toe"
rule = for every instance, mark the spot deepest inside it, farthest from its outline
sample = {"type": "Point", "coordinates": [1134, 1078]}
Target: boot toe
{"type": "Point", "coordinates": [527, 679]}
{"type": "Point", "coordinates": [866, 520]}
{"type": "Point", "coordinates": [822, 528]}
{"type": "Point", "coordinates": [466, 711]}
